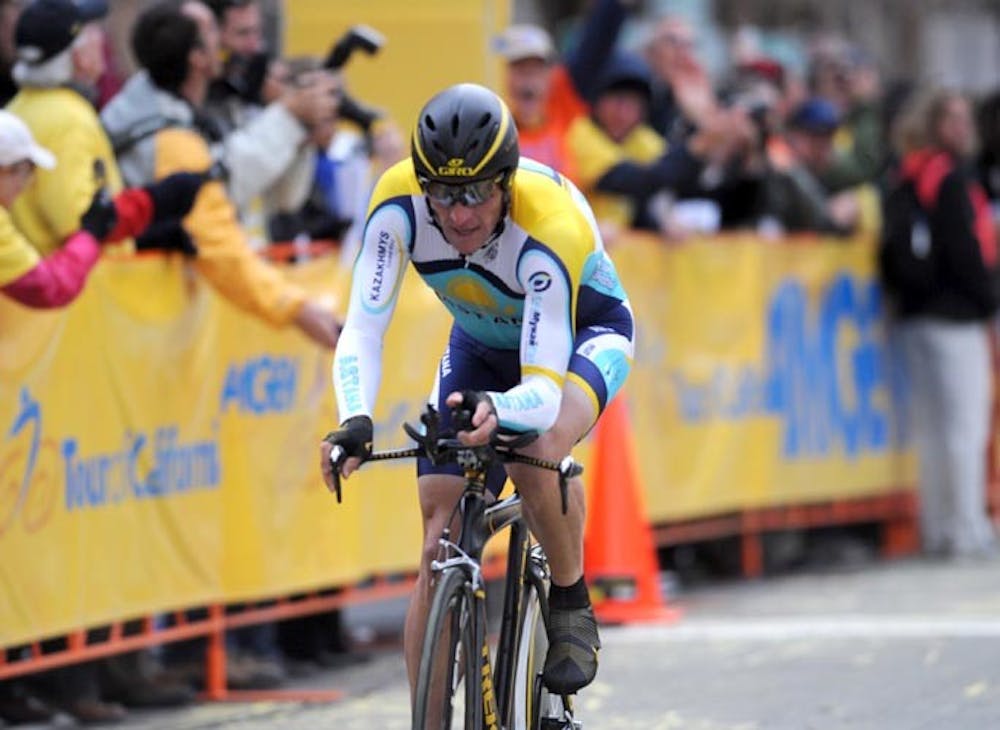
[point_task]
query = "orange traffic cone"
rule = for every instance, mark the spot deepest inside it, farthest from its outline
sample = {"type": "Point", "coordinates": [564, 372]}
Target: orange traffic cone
{"type": "Point", "coordinates": [619, 557]}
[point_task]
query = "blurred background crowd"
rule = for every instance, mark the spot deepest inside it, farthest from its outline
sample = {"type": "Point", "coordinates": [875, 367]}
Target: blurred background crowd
{"type": "Point", "coordinates": [684, 119]}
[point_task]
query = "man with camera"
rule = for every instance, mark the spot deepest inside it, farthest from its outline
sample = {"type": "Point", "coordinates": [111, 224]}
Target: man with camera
{"type": "Point", "coordinates": [155, 123]}
{"type": "Point", "coordinates": [264, 119]}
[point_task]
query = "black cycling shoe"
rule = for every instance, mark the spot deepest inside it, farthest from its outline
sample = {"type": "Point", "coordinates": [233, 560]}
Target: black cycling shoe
{"type": "Point", "coordinates": [571, 662]}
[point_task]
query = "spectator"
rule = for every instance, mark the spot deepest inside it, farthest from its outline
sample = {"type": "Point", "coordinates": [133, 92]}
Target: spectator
{"type": "Point", "coordinates": [348, 160]}
{"type": "Point", "coordinates": [621, 162]}
{"type": "Point", "coordinates": [265, 124]}
{"type": "Point", "coordinates": [60, 58]}
{"type": "Point", "coordinates": [945, 299]}
{"type": "Point", "coordinates": [546, 97]}
{"type": "Point", "coordinates": [542, 98]}
{"type": "Point", "coordinates": [852, 81]}
{"type": "Point", "coordinates": [682, 96]}
{"type": "Point", "coordinates": [795, 198]}
{"type": "Point", "coordinates": [178, 51]}
{"type": "Point", "coordinates": [56, 280]}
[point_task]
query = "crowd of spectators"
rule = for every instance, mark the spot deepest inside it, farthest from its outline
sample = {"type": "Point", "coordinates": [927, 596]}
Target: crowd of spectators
{"type": "Point", "coordinates": [216, 147]}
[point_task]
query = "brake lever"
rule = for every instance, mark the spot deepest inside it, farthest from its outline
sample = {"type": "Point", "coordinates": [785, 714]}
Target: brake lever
{"type": "Point", "coordinates": [337, 455]}
{"type": "Point", "coordinates": [568, 468]}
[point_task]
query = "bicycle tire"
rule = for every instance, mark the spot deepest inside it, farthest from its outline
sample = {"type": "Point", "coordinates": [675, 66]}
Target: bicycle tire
{"type": "Point", "coordinates": [532, 701]}
{"type": "Point", "coordinates": [450, 629]}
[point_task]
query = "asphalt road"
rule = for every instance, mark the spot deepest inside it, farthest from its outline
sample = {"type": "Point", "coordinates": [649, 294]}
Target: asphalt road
{"type": "Point", "coordinates": [906, 645]}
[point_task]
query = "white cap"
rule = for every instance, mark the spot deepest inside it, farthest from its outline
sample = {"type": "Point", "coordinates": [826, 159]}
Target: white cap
{"type": "Point", "coordinates": [519, 42]}
{"type": "Point", "coordinates": [16, 144]}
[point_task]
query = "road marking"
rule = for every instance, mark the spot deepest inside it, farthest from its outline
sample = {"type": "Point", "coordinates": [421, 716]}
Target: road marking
{"type": "Point", "coordinates": [813, 627]}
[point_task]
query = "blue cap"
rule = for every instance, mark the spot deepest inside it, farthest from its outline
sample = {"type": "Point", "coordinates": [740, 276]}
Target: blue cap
{"type": "Point", "coordinates": [815, 115]}
{"type": "Point", "coordinates": [624, 70]}
{"type": "Point", "coordinates": [46, 28]}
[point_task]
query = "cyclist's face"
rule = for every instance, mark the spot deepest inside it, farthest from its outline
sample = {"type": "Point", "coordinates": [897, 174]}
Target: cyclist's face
{"type": "Point", "coordinates": [468, 227]}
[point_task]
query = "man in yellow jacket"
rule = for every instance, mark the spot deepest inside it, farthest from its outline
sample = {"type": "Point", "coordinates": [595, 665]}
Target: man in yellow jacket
{"type": "Point", "coordinates": [59, 60]}
{"type": "Point", "coordinates": [154, 124]}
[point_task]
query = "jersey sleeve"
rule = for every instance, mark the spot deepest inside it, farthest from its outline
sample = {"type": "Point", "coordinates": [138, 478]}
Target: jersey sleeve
{"type": "Point", "coordinates": [378, 275]}
{"type": "Point", "coordinates": [550, 284]}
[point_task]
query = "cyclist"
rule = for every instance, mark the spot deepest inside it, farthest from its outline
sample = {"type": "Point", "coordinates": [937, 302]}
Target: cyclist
{"type": "Point", "coordinates": [542, 336]}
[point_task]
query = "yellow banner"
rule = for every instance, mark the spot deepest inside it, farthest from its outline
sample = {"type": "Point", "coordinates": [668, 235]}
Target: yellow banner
{"type": "Point", "coordinates": [159, 449]}
{"type": "Point", "coordinates": [762, 374]}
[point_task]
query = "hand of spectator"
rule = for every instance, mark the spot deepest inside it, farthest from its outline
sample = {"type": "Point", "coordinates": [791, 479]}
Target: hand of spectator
{"type": "Point", "coordinates": [844, 209]}
{"type": "Point", "coordinates": [101, 217]}
{"type": "Point", "coordinates": [168, 235]}
{"type": "Point", "coordinates": [174, 196]}
{"type": "Point", "coordinates": [319, 324]}
{"type": "Point", "coordinates": [692, 89]}
{"type": "Point", "coordinates": [315, 100]}
{"type": "Point", "coordinates": [388, 147]}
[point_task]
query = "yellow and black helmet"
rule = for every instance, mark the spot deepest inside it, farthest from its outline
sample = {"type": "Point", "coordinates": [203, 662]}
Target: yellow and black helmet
{"type": "Point", "coordinates": [465, 134]}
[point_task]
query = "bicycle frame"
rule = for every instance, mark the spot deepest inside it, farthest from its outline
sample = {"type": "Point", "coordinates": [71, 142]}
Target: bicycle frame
{"type": "Point", "coordinates": [478, 524]}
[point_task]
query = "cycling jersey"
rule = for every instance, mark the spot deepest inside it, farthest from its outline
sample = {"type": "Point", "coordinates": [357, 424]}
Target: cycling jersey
{"type": "Point", "coordinates": [543, 277]}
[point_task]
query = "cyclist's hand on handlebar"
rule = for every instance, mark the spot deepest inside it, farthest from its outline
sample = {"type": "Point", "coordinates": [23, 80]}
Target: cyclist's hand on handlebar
{"type": "Point", "coordinates": [484, 416]}
{"type": "Point", "coordinates": [354, 437]}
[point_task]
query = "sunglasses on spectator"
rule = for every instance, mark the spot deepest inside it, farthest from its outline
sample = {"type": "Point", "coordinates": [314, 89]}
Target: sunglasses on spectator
{"type": "Point", "coordinates": [468, 194]}
{"type": "Point", "coordinates": [21, 167]}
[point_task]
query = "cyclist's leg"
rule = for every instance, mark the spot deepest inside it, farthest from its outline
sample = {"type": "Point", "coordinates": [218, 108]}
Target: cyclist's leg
{"type": "Point", "coordinates": [465, 364]}
{"type": "Point", "coordinates": [597, 370]}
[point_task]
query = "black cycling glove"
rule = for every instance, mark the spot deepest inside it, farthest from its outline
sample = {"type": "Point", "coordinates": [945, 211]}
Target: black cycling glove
{"type": "Point", "coordinates": [461, 415]}
{"type": "Point", "coordinates": [100, 218]}
{"type": "Point", "coordinates": [354, 436]}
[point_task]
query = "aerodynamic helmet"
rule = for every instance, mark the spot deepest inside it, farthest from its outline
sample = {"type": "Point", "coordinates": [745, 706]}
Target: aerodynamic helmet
{"type": "Point", "coordinates": [465, 134]}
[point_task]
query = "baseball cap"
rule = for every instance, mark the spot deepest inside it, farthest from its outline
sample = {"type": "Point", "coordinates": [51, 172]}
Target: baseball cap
{"type": "Point", "coordinates": [519, 42]}
{"type": "Point", "coordinates": [48, 27]}
{"type": "Point", "coordinates": [815, 115]}
{"type": "Point", "coordinates": [624, 70]}
{"type": "Point", "coordinates": [16, 143]}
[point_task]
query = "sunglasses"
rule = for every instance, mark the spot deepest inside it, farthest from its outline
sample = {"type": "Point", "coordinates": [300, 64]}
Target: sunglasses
{"type": "Point", "coordinates": [468, 194]}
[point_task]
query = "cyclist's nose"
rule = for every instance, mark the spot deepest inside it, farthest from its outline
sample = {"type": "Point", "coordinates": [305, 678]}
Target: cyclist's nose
{"type": "Point", "coordinates": [460, 215]}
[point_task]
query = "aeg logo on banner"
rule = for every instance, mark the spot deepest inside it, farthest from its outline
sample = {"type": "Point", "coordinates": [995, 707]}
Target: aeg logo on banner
{"type": "Point", "coordinates": [265, 384]}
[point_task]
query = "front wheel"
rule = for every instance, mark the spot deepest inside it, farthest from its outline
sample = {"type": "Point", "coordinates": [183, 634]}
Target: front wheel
{"type": "Point", "coordinates": [447, 695]}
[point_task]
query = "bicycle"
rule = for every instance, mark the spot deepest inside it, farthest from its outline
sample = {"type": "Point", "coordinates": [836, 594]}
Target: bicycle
{"type": "Point", "coordinates": [508, 692]}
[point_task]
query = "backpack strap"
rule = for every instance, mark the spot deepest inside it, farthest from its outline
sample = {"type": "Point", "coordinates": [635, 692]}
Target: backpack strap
{"type": "Point", "coordinates": [928, 180]}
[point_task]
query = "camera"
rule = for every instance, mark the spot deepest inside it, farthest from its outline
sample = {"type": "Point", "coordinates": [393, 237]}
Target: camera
{"type": "Point", "coordinates": [357, 38]}
{"type": "Point", "coordinates": [244, 75]}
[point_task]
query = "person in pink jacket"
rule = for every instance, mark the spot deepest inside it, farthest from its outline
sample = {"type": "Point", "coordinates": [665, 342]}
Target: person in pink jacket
{"type": "Point", "coordinates": [56, 279]}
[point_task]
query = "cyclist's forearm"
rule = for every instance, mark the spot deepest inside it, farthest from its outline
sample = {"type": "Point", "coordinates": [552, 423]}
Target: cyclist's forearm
{"type": "Point", "coordinates": [357, 371]}
{"type": "Point", "coordinates": [530, 406]}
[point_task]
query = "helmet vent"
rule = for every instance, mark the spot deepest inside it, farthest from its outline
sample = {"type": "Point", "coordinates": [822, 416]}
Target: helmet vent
{"type": "Point", "coordinates": [484, 120]}
{"type": "Point", "coordinates": [454, 125]}
{"type": "Point", "coordinates": [429, 121]}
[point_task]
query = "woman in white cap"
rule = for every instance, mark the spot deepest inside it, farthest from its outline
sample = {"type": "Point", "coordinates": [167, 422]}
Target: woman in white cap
{"type": "Point", "coordinates": [56, 279]}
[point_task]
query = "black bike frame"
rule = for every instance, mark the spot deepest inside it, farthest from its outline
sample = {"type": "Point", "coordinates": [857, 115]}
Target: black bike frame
{"type": "Point", "coordinates": [479, 523]}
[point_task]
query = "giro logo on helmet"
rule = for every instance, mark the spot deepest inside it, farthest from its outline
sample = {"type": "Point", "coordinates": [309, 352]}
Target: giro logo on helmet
{"type": "Point", "coordinates": [456, 168]}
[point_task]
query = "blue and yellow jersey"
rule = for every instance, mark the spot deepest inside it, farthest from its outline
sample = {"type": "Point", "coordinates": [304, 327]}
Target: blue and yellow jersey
{"type": "Point", "coordinates": [543, 277]}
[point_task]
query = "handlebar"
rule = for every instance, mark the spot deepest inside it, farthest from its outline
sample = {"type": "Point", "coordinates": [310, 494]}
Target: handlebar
{"type": "Point", "coordinates": [443, 446]}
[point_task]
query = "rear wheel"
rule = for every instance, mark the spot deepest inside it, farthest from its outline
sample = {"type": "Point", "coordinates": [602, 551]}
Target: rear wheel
{"type": "Point", "coordinates": [532, 702]}
{"type": "Point", "coordinates": [447, 696]}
